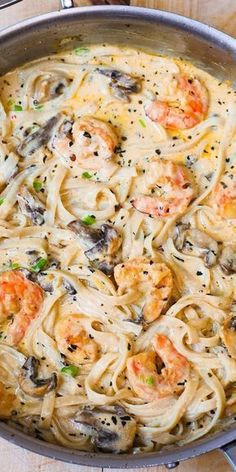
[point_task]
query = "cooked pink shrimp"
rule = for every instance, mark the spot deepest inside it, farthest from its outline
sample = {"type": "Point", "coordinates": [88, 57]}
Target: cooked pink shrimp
{"type": "Point", "coordinates": [74, 342]}
{"type": "Point", "coordinates": [143, 376]}
{"type": "Point", "coordinates": [20, 304]}
{"type": "Point", "coordinates": [172, 186]}
{"type": "Point", "coordinates": [187, 111]}
{"type": "Point", "coordinates": [89, 142]}
{"type": "Point", "coordinates": [224, 196]}
{"type": "Point", "coordinates": [152, 279]}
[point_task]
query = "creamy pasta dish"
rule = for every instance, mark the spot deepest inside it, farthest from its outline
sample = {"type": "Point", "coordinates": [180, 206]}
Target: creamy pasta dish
{"type": "Point", "coordinates": [117, 250]}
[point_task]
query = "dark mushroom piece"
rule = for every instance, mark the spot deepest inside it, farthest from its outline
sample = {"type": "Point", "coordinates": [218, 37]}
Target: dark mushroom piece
{"type": "Point", "coordinates": [228, 335]}
{"type": "Point", "coordinates": [45, 280]}
{"type": "Point", "coordinates": [111, 430]}
{"type": "Point", "coordinates": [30, 206]}
{"type": "Point", "coordinates": [28, 274]}
{"type": "Point", "coordinates": [101, 244]}
{"type": "Point", "coordinates": [197, 243]}
{"type": "Point", "coordinates": [64, 130]}
{"type": "Point", "coordinates": [227, 260]}
{"type": "Point", "coordinates": [9, 168]}
{"type": "Point", "coordinates": [50, 86]}
{"type": "Point", "coordinates": [37, 139]}
{"type": "Point", "coordinates": [29, 381]}
{"type": "Point", "coordinates": [69, 288]}
{"type": "Point", "coordinates": [122, 84]}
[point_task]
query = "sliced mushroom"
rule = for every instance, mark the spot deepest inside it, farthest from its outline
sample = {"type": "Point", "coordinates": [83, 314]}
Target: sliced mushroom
{"type": "Point", "coordinates": [29, 381]}
{"type": "Point", "coordinates": [64, 130]}
{"type": "Point", "coordinates": [86, 233]}
{"type": "Point", "coordinates": [9, 168]}
{"type": "Point", "coordinates": [179, 235]}
{"type": "Point", "coordinates": [37, 139]}
{"type": "Point", "coordinates": [228, 335]}
{"type": "Point", "coordinates": [112, 430]}
{"type": "Point", "coordinates": [30, 206]}
{"type": "Point", "coordinates": [101, 244]}
{"type": "Point", "coordinates": [121, 84]}
{"type": "Point", "coordinates": [50, 86]}
{"type": "Point", "coordinates": [227, 260]}
{"type": "Point", "coordinates": [45, 280]}
{"type": "Point", "coordinates": [69, 288]}
{"type": "Point", "coordinates": [28, 274]}
{"type": "Point", "coordinates": [109, 243]}
{"type": "Point", "coordinates": [196, 242]}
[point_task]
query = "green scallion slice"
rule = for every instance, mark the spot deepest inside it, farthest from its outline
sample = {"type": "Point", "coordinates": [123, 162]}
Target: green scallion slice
{"type": "Point", "coordinates": [14, 106]}
{"type": "Point", "coordinates": [150, 381]}
{"type": "Point", "coordinates": [10, 102]}
{"type": "Point", "coordinates": [80, 51]}
{"type": "Point", "coordinates": [1, 200]}
{"type": "Point", "coordinates": [17, 108]}
{"type": "Point", "coordinates": [86, 175]}
{"type": "Point", "coordinates": [39, 265]}
{"type": "Point", "coordinates": [38, 107]}
{"type": "Point", "coordinates": [89, 219]}
{"type": "Point", "coordinates": [142, 123]}
{"type": "Point", "coordinates": [14, 265]}
{"type": "Point", "coordinates": [71, 370]}
{"type": "Point", "coordinates": [37, 185]}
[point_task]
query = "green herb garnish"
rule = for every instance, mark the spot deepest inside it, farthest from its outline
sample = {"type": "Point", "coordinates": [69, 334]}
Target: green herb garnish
{"type": "Point", "coordinates": [14, 265]}
{"type": "Point", "coordinates": [39, 265]}
{"type": "Point", "coordinates": [149, 380]}
{"type": "Point", "coordinates": [37, 185]}
{"type": "Point", "coordinates": [1, 201]}
{"type": "Point", "coordinates": [89, 219]}
{"type": "Point", "coordinates": [71, 370]}
{"type": "Point", "coordinates": [17, 108]}
{"type": "Point", "coordinates": [38, 107]}
{"type": "Point", "coordinates": [10, 102]}
{"type": "Point", "coordinates": [14, 106]}
{"type": "Point", "coordinates": [86, 175]}
{"type": "Point", "coordinates": [80, 51]}
{"type": "Point", "coordinates": [142, 123]}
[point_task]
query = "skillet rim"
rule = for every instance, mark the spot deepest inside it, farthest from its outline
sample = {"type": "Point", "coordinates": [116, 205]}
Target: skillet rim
{"type": "Point", "coordinates": [220, 40]}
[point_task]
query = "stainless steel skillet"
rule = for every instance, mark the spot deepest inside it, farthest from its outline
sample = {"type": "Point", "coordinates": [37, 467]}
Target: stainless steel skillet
{"type": "Point", "coordinates": [155, 31]}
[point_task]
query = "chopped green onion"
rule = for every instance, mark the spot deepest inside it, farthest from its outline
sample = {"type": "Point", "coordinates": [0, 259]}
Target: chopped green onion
{"type": "Point", "coordinates": [14, 106]}
{"type": "Point", "coordinates": [86, 175]}
{"type": "Point", "coordinates": [38, 107]}
{"type": "Point", "coordinates": [1, 201]}
{"type": "Point", "coordinates": [71, 370]}
{"type": "Point", "coordinates": [39, 265]}
{"type": "Point", "coordinates": [149, 380]}
{"type": "Point", "coordinates": [17, 108]}
{"type": "Point", "coordinates": [37, 185]}
{"type": "Point", "coordinates": [10, 102]}
{"type": "Point", "coordinates": [89, 219]}
{"type": "Point", "coordinates": [14, 265]}
{"type": "Point", "coordinates": [80, 51]}
{"type": "Point", "coordinates": [142, 123]}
